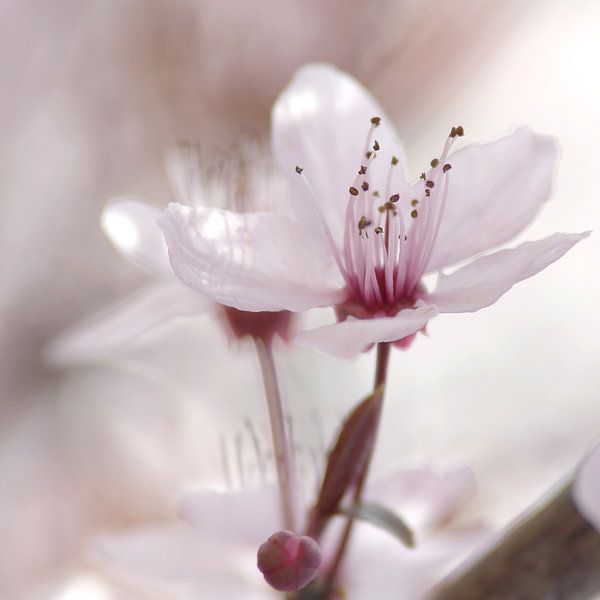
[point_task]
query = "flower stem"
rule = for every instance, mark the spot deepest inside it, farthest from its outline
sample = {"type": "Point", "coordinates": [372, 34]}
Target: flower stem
{"type": "Point", "coordinates": [383, 355]}
{"type": "Point", "coordinates": [281, 446]}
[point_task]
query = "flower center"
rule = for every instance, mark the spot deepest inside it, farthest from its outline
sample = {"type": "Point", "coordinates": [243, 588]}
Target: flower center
{"type": "Point", "coordinates": [389, 237]}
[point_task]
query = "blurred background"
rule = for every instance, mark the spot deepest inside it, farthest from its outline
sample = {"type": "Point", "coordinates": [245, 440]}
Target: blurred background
{"type": "Point", "coordinates": [95, 93]}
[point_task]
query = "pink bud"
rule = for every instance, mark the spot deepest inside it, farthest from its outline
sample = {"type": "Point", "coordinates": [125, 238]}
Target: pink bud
{"type": "Point", "coordinates": [289, 562]}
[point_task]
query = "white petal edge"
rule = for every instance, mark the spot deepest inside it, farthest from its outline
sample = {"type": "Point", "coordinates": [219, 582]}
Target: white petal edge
{"type": "Point", "coordinates": [483, 281]}
{"type": "Point", "coordinates": [243, 517]}
{"type": "Point", "coordinates": [131, 224]}
{"type": "Point", "coordinates": [252, 261]}
{"type": "Point", "coordinates": [320, 122]}
{"type": "Point", "coordinates": [352, 336]}
{"type": "Point", "coordinates": [495, 191]}
{"type": "Point", "coordinates": [120, 325]}
{"type": "Point", "coordinates": [586, 488]}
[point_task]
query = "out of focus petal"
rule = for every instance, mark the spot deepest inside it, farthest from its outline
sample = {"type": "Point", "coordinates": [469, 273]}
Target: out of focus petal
{"type": "Point", "coordinates": [120, 325]}
{"type": "Point", "coordinates": [586, 489]}
{"type": "Point", "coordinates": [485, 280]}
{"type": "Point", "coordinates": [352, 336]}
{"type": "Point", "coordinates": [131, 225]}
{"type": "Point", "coordinates": [247, 517]}
{"type": "Point", "coordinates": [495, 190]}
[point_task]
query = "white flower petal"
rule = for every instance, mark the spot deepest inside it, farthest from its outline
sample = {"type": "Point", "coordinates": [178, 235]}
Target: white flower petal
{"type": "Point", "coordinates": [248, 517]}
{"type": "Point", "coordinates": [586, 488]}
{"type": "Point", "coordinates": [495, 190]}
{"type": "Point", "coordinates": [352, 336]}
{"type": "Point", "coordinates": [484, 280]}
{"type": "Point", "coordinates": [123, 323]}
{"type": "Point", "coordinates": [131, 225]}
{"type": "Point", "coordinates": [320, 123]}
{"type": "Point", "coordinates": [251, 261]}
{"type": "Point", "coordinates": [174, 561]}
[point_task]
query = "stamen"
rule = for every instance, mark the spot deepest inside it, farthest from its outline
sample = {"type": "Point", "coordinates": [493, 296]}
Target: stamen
{"type": "Point", "coordinates": [363, 170]}
{"type": "Point", "coordinates": [323, 221]}
{"type": "Point", "coordinates": [429, 183]}
{"type": "Point", "coordinates": [414, 202]}
{"type": "Point", "coordinates": [394, 161]}
{"type": "Point", "coordinates": [378, 229]}
{"type": "Point", "coordinates": [446, 167]}
{"type": "Point", "coordinates": [434, 163]}
{"type": "Point", "coordinates": [395, 198]}
{"type": "Point", "coordinates": [376, 121]}
{"type": "Point", "coordinates": [376, 146]}
{"type": "Point", "coordinates": [414, 213]}
{"type": "Point", "coordinates": [353, 191]}
{"type": "Point", "coordinates": [365, 186]}
{"type": "Point", "coordinates": [299, 170]}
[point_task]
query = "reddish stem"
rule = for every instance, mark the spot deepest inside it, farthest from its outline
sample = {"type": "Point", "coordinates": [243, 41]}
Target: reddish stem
{"type": "Point", "coordinates": [381, 368]}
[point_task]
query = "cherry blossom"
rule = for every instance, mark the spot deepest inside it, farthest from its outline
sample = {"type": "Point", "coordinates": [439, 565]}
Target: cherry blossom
{"type": "Point", "coordinates": [362, 236]}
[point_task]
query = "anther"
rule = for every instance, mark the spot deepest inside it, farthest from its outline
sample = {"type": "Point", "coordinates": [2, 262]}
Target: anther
{"type": "Point", "coordinates": [395, 198]}
{"type": "Point", "coordinates": [381, 208]}
{"type": "Point", "coordinates": [378, 230]}
{"type": "Point", "coordinates": [369, 154]}
{"type": "Point", "coordinates": [414, 213]}
{"type": "Point", "coordinates": [376, 194]}
{"type": "Point", "coordinates": [363, 170]}
{"type": "Point", "coordinates": [365, 186]}
{"type": "Point", "coordinates": [446, 167]}
{"type": "Point", "coordinates": [353, 191]}
{"type": "Point", "coordinates": [363, 223]}
{"type": "Point", "coordinates": [453, 132]}
{"type": "Point", "coordinates": [428, 192]}
{"type": "Point", "coordinates": [376, 146]}
{"type": "Point", "coordinates": [299, 170]}
{"type": "Point", "coordinates": [394, 160]}
{"type": "Point", "coordinates": [414, 202]}
{"type": "Point", "coordinates": [434, 163]}
{"type": "Point", "coordinates": [375, 121]}
{"type": "Point", "coordinates": [460, 131]}
{"type": "Point", "coordinates": [388, 206]}
{"type": "Point", "coordinates": [422, 176]}
{"type": "Point", "coordinates": [429, 183]}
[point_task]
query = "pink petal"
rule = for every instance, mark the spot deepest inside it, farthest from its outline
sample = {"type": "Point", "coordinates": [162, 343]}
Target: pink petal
{"type": "Point", "coordinates": [131, 225]}
{"type": "Point", "coordinates": [174, 561]}
{"type": "Point", "coordinates": [251, 261]}
{"type": "Point", "coordinates": [495, 190]}
{"type": "Point", "coordinates": [123, 323]}
{"type": "Point", "coordinates": [586, 489]}
{"type": "Point", "coordinates": [424, 496]}
{"type": "Point", "coordinates": [351, 337]}
{"type": "Point", "coordinates": [246, 517]}
{"type": "Point", "coordinates": [486, 279]}
{"type": "Point", "coordinates": [320, 123]}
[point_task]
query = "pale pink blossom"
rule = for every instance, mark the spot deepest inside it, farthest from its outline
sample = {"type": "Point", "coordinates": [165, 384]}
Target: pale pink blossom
{"type": "Point", "coordinates": [586, 488]}
{"type": "Point", "coordinates": [363, 236]}
{"type": "Point", "coordinates": [242, 180]}
{"type": "Point", "coordinates": [216, 557]}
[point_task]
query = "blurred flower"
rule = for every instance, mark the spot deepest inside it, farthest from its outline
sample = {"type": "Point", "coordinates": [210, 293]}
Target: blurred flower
{"type": "Point", "coordinates": [216, 558]}
{"type": "Point", "coordinates": [242, 180]}
{"type": "Point", "coordinates": [586, 489]}
{"type": "Point", "coordinates": [363, 242]}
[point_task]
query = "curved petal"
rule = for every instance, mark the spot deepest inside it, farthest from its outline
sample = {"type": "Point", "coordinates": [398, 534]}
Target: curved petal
{"type": "Point", "coordinates": [121, 324]}
{"type": "Point", "coordinates": [495, 190]}
{"type": "Point", "coordinates": [586, 488]}
{"type": "Point", "coordinates": [247, 517]}
{"type": "Point", "coordinates": [320, 122]}
{"type": "Point", "coordinates": [352, 336]}
{"type": "Point", "coordinates": [483, 281]}
{"type": "Point", "coordinates": [131, 225]}
{"type": "Point", "coordinates": [251, 261]}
